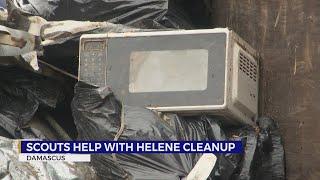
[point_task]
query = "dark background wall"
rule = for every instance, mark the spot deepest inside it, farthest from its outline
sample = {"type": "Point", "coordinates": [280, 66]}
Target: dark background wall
{"type": "Point", "coordinates": [287, 34]}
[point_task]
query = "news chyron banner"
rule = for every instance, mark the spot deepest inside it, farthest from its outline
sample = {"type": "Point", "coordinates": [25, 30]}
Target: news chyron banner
{"type": "Point", "coordinates": [80, 151]}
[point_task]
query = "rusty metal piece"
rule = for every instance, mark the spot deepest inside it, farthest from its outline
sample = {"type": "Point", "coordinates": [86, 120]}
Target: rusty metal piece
{"type": "Point", "coordinates": [12, 41]}
{"type": "Point", "coordinates": [19, 44]}
{"type": "Point", "coordinates": [15, 42]}
{"type": "Point", "coordinates": [7, 39]}
{"type": "Point", "coordinates": [3, 15]}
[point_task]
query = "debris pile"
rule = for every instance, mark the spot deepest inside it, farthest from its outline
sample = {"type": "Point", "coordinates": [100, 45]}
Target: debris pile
{"type": "Point", "coordinates": [41, 98]}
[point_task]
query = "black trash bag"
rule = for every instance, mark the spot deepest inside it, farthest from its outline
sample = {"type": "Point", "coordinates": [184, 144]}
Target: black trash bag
{"type": "Point", "coordinates": [263, 157]}
{"type": "Point", "coordinates": [98, 116]}
{"type": "Point", "coordinates": [4, 133]}
{"type": "Point", "coordinates": [136, 13]}
{"type": "Point", "coordinates": [21, 94]}
{"type": "Point", "coordinates": [271, 151]}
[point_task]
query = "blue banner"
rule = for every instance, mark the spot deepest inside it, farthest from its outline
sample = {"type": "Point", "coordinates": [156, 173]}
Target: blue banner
{"type": "Point", "coordinates": [92, 147]}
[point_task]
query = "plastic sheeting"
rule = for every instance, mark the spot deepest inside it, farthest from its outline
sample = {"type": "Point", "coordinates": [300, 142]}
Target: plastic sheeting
{"type": "Point", "coordinates": [98, 116]}
{"type": "Point", "coordinates": [60, 39]}
{"type": "Point", "coordinates": [137, 13]}
{"type": "Point", "coordinates": [11, 168]}
{"type": "Point", "coordinates": [58, 32]}
{"type": "Point", "coordinates": [3, 5]}
{"type": "Point", "coordinates": [21, 94]}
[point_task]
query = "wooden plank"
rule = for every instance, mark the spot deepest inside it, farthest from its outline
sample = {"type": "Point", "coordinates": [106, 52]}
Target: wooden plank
{"type": "Point", "coordinates": [287, 34]}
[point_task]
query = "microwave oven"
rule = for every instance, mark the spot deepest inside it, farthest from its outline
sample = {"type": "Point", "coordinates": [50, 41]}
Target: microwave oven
{"type": "Point", "coordinates": [211, 71]}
